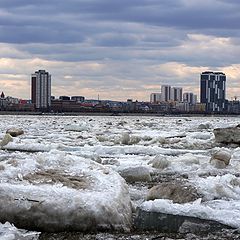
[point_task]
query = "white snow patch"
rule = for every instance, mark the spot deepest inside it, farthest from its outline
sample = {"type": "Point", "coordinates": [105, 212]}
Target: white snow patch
{"type": "Point", "coordinates": [77, 128]}
{"type": "Point", "coordinates": [218, 187]}
{"type": "Point", "coordinates": [201, 135]}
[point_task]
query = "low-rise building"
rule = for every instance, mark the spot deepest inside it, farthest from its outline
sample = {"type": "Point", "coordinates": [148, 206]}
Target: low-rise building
{"type": "Point", "coordinates": [78, 98]}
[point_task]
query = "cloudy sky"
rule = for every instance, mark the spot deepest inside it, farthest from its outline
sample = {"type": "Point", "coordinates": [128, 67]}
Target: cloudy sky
{"type": "Point", "coordinates": [118, 49]}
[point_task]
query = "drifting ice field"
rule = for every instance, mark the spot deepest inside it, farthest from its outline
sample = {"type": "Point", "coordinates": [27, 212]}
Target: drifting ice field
{"type": "Point", "coordinates": [64, 169]}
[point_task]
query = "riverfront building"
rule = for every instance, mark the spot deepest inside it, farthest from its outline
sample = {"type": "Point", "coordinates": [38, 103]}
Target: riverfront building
{"type": "Point", "coordinates": [155, 97]}
{"type": "Point", "coordinates": [41, 90]}
{"type": "Point", "coordinates": [213, 91]}
{"type": "Point", "coordinates": [165, 93]}
{"type": "Point", "coordinates": [190, 98]}
{"type": "Point", "coordinates": [176, 94]}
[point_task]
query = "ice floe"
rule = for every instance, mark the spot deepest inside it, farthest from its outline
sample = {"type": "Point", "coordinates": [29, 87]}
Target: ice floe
{"type": "Point", "coordinates": [57, 192]}
{"type": "Point", "coordinates": [225, 212]}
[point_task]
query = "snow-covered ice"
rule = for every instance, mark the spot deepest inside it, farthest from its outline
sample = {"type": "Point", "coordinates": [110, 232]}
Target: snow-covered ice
{"type": "Point", "coordinates": [69, 145]}
{"type": "Point", "coordinates": [226, 212]}
{"type": "Point", "coordinates": [56, 191]}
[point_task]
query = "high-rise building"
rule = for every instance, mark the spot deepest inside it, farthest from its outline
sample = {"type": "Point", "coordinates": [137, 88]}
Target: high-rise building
{"type": "Point", "coordinates": [190, 98]}
{"type": "Point", "coordinates": [41, 90]}
{"type": "Point", "coordinates": [165, 93]}
{"type": "Point", "coordinates": [155, 97]}
{"type": "Point", "coordinates": [176, 94]}
{"type": "Point", "coordinates": [213, 91]}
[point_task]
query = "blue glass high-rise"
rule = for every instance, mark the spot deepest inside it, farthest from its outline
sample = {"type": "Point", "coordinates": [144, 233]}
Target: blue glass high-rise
{"type": "Point", "coordinates": [213, 91]}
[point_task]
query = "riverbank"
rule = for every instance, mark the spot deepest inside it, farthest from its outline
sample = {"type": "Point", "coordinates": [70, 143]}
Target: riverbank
{"type": "Point", "coordinates": [118, 114]}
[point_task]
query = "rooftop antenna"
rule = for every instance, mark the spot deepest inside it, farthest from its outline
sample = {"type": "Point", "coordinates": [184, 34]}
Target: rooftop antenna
{"type": "Point", "coordinates": [98, 97]}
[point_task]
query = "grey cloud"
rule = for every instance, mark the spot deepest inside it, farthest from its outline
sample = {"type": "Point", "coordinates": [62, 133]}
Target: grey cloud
{"type": "Point", "coordinates": [116, 40]}
{"type": "Point", "coordinates": [68, 21]}
{"type": "Point", "coordinates": [40, 34]}
{"type": "Point", "coordinates": [125, 37]}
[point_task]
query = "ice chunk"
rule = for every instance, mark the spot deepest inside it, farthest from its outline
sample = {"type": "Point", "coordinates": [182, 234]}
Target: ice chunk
{"type": "Point", "coordinates": [225, 212]}
{"type": "Point", "coordinates": [14, 132]}
{"type": "Point", "coordinates": [64, 193]}
{"type": "Point", "coordinates": [27, 147]}
{"type": "Point", "coordinates": [159, 162]}
{"type": "Point", "coordinates": [10, 232]}
{"type": "Point", "coordinates": [218, 187]}
{"type": "Point", "coordinates": [136, 174]}
{"type": "Point", "coordinates": [6, 139]}
{"type": "Point", "coordinates": [77, 128]}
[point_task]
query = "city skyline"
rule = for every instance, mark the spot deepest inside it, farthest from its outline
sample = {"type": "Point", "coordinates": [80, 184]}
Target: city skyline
{"type": "Point", "coordinates": [169, 100]}
{"type": "Point", "coordinates": [118, 50]}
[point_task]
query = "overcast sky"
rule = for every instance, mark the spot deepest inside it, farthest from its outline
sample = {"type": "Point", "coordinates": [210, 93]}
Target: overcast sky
{"type": "Point", "coordinates": [118, 49]}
